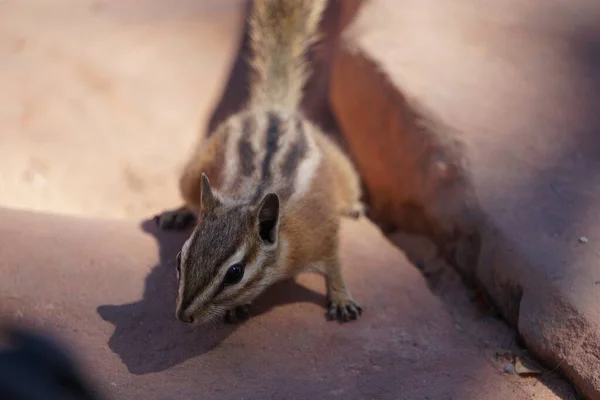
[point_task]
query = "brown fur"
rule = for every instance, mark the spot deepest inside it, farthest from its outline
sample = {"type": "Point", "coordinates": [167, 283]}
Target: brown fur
{"type": "Point", "coordinates": [281, 33]}
{"type": "Point", "coordinates": [208, 159]}
{"type": "Point", "coordinates": [278, 186]}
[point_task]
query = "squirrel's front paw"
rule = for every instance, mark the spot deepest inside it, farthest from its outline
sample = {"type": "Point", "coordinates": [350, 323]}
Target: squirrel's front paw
{"type": "Point", "coordinates": [344, 310]}
{"type": "Point", "coordinates": [175, 219]}
{"type": "Point", "coordinates": [237, 314]}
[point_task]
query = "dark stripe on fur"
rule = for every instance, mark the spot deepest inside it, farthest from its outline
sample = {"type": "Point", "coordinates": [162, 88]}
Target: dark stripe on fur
{"type": "Point", "coordinates": [271, 145]}
{"type": "Point", "coordinates": [295, 154]}
{"type": "Point", "coordinates": [246, 152]}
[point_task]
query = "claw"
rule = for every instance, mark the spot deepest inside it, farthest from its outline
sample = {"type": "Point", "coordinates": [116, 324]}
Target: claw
{"type": "Point", "coordinates": [344, 311]}
{"type": "Point", "coordinates": [237, 314]}
{"type": "Point", "coordinates": [175, 220]}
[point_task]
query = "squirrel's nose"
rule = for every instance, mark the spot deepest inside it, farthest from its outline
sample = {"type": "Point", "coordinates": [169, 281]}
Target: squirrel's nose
{"type": "Point", "coordinates": [184, 317]}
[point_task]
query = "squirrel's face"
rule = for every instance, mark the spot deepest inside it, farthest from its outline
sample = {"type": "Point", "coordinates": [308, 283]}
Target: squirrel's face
{"type": "Point", "coordinates": [229, 258]}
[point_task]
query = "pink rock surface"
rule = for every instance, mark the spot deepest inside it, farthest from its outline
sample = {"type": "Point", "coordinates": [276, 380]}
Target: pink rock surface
{"type": "Point", "coordinates": [108, 288]}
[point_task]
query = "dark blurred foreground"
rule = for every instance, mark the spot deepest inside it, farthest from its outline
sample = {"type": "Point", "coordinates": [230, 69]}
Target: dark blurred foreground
{"type": "Point", "coordinates": [34, 367]}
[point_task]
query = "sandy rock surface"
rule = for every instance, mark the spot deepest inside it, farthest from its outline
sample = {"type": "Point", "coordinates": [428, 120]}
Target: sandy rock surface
{"type": "Point", "coordinates": [106, 99]}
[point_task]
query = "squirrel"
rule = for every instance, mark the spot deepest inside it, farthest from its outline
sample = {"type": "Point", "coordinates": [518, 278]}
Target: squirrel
{"type": "Point", "coordinates": [278, 185]}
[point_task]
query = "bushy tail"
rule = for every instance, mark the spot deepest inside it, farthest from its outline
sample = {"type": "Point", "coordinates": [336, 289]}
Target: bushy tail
{"type": "Point", "coordinates": [281, 31]}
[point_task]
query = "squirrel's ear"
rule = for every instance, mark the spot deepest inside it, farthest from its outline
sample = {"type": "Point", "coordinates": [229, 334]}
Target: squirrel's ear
{"type": "Point", "coordinates": [268, 218]}
{"type": "Point", "coordinates": [207, 197]}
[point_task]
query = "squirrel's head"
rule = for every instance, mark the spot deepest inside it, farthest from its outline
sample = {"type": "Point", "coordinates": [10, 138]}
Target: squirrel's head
{"type": "Point", "coordinates": [229, 258]}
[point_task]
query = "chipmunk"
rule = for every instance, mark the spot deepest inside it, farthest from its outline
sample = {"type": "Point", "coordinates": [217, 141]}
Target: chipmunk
{"type": "Point", "coordinates": [267, 190]}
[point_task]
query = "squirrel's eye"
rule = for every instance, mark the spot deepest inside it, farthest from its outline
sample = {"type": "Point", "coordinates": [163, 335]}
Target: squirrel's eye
{"type": "Point", "coordinates": [234, 274]}
{"type": "Point", "coordinates": [178, 264]}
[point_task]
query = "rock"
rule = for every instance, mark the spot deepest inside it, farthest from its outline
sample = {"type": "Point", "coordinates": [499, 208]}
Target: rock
{"type": "Point", "coordinates": [509, 368]}
{"type": "Point", "coordinates": [114, 287]}
{"type": "Point", "coordinates": [525, 368]}
{"type": "Point", "coordinates": [128, 133]}
{"type": "Point", "coordinates": [504, 97]}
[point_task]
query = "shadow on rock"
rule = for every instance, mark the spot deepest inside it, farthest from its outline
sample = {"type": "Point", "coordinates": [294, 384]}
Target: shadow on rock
{"type": "Point", "coordinates": [147, 336]}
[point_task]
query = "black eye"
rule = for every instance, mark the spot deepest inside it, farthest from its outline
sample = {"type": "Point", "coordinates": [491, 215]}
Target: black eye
{"type": "Point", "coordinates": [234, 274]}
{"type": "Point", "coordinates": [178, 264]}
